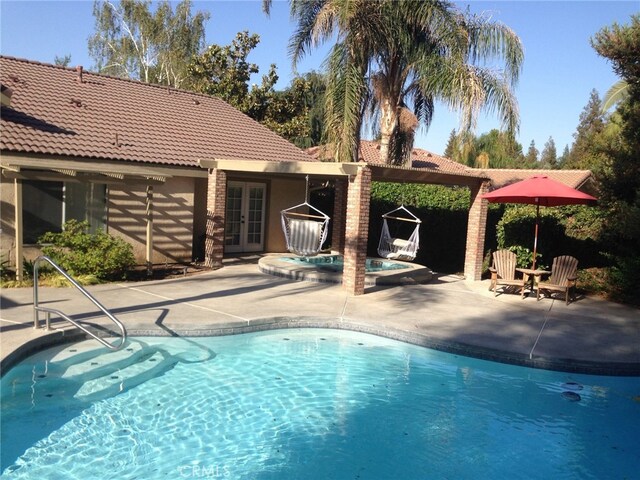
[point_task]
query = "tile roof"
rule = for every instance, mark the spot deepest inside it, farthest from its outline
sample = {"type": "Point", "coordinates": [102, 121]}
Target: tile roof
{"type": "Point", "coordinates": [103, 117]}
{"type": "Point", "coordinates": [432, 162]}
{"type": "Point", "coordinates": [502, 177]}
{"type": "Point", "coordinates": [420, 159]}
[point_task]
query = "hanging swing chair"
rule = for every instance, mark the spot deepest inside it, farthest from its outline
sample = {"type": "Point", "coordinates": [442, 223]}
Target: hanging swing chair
{"type": "Point", "coordinates": [398, 248]}
{"type": "Point", "coordinates": [305, 228]}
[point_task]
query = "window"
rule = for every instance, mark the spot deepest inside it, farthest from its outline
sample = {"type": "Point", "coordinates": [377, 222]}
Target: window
{"type": "Point", "coordinates": [47, 205]}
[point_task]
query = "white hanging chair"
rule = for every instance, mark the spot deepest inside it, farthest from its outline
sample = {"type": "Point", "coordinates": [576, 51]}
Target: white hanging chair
{"type": "Point", "coordinates": [398, 248]}
{"type": "Point", "coordinates": [305, 233]}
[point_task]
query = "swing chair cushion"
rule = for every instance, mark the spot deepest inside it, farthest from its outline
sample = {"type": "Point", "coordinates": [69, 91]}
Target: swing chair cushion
{"type": "Point", "coordinates": [305, 236]}
{"type": "Point", "coordinates": [398, 243]}
{"type": "Point", "coordinates": [399, 249]}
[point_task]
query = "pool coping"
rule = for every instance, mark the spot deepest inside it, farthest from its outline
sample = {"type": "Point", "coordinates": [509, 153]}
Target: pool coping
{"type": "Point", "coordinates": [68, 335]}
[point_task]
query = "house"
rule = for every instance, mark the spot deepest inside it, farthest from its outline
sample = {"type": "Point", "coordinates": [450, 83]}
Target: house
{"type": "Point", "coordinates": [179, 175]}
{"type": "Point", "coordinates": [124, 155]}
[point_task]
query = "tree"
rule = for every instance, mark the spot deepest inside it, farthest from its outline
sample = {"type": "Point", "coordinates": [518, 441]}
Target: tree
{"type": "Point", "coordinates": [132, 41]}
{"type": "Point", "coordinates": [549, 155]}
{"type": "Point", "coordinates": [501, 148]}
{"type": "Point", "coordinates": [461, 147]}
{"type": "Point", "coordinates": [583, 154]}
{"type": "Point", "coordinates": [450, 149]}
{"type": "Point", "coordinates": [62, 61]}
{"type": "Point", "coordinates": [287, 113]}
{"type": "Point", "coordinates": [531, 158]}
{"type": "Point", "coordinates": [225, 72]}
{"type": "Point", "coordinates": [396, 58]}
{"type": "Point", "coordinates": [315, 102]}
{"type": "Point", "coordinates": [619, 178]}
{"type": "Point", "coordinates": [564, 158]}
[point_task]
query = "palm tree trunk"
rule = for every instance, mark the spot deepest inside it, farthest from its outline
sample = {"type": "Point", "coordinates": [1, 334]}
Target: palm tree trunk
{"type": "Point", "coordinates": [388, 123]}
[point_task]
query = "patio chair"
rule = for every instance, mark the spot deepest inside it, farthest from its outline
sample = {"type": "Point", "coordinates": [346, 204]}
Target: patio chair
{"type": "Point", "coordinates": [564, 273]}
{"type": "Point", "coordinates": [503, 272]}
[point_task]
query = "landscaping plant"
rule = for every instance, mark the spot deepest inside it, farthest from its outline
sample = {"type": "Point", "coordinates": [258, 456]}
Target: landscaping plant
{"type": "Point", "coordinates": [82, 253]}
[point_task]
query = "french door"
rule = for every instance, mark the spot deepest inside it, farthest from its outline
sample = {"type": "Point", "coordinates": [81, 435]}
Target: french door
{"type": "Point", "coordinates": [244, 230]}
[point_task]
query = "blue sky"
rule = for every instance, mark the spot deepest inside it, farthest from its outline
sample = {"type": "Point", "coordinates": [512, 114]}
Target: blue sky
{"type": "Point", "coordinates": [560, 67]}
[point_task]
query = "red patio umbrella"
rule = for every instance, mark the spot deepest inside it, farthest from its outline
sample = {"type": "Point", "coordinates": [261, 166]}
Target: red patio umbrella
{"type": "Point", "coordinates": [539, 190]}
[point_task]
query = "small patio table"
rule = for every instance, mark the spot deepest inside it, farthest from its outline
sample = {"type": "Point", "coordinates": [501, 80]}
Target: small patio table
{"type": "Point", "coordinates": [532, 275]}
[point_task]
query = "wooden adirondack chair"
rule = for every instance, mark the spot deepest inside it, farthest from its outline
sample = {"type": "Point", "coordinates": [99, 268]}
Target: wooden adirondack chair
{"type": "Point", "coordinates": [564, 273]}
{"type": "Point", "coordinates": [503, 272]}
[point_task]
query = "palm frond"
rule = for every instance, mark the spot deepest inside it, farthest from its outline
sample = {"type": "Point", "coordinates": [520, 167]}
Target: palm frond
{"type": "Point", "coordinates": [618, 92]}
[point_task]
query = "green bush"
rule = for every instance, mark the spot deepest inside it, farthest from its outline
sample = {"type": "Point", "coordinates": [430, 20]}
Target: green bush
{"type": "Point", "coordinates": [422, 196]}
{"type": "Point", "coordinates": [82, 253]}
{"type": "Point", "coordinates": [5, 270]}
{"type": "Point", "coordinates": [570, 230]}
{"type": "Point", "coordinates": [625, 279]}
{"type": "Point", "coordinates": [524, 257]}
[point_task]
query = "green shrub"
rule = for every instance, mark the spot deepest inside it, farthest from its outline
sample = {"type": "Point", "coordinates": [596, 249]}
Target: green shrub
{"type": "Point", "coordinates": [5, 270]}
{"type": "Point", "coordinates": [81, 253]}
{"type": "Point", "coordinates": [625, 279]}
{"type": "Point", "coordinates": [571, 230]}
{"type": "Point", "coordinates": [524, 257]}
{"type": "Point", "coordinates": [595, 281]}
{"type": "Point", "coordinates": [422, 196]}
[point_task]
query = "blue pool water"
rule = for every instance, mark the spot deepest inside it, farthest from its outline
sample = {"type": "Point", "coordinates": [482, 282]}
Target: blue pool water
{"type": "Point", "coordinates": [308, 404]}
{"type": "Point", "coordinates": [335, 263]}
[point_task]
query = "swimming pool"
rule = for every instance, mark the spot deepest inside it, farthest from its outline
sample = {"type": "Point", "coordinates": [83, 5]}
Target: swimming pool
{"type": "Point", "coordinates": [312, 404]}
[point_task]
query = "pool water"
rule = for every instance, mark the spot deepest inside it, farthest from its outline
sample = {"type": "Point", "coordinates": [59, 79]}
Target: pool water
{"type": "Point", "coordinates": [308, 404]}
{"type": "Point", "coordinates": [335, 263]}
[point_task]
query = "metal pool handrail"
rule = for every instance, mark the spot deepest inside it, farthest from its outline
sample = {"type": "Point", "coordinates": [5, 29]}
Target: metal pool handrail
{"type": "Point", "coordinates": [37, 308]}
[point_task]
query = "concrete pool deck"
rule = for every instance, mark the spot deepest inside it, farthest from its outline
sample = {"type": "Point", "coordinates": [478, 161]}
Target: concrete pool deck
{"type": "Point", "coordinates": [589, 335]}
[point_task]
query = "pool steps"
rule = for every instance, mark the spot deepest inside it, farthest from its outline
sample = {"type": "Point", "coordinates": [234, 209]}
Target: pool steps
{"type": "Point", "coordinates": [104, 363]}
{"type": "Point", "coordinates": [123, 379]}
{"type": "Point", "coordinates": [92, 373]}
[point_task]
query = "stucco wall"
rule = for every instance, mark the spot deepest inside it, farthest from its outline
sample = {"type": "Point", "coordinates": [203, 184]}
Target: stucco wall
{"type": "Point", "coordinates": [172, 219]}
{"type": "Point", "coordinates": [178, 221]}
{"type": "Point", "coordinates": [283, 193]}
{"type": "Point", "coordinates": [199, 217]}
{"type": "Point", "coordinates": [7, 219]}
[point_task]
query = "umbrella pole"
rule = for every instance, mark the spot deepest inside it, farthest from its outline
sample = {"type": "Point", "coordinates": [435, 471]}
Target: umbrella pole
{"type": "Point", "coordinates": [535, 240]}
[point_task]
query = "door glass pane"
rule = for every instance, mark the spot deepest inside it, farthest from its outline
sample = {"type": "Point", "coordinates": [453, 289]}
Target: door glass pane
{"type": "Point", "coordinates": [254, 215]}
{"type": "Point", "coordinates": [233, 215]}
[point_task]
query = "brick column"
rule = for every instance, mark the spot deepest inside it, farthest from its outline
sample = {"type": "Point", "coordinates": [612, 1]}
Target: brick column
{"type": "Point", "coordinates": [216, 204]}
{"type": "Point", "coordinates": [476, 229]}
{"type": "Point", "coordinates": [357, 231]}
{"type": "Point", "coordinates": [339, 212]}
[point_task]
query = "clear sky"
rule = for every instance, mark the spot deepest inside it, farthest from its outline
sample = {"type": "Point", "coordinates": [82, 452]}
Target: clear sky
{"type": "Point", "coordinates": [560, 68]}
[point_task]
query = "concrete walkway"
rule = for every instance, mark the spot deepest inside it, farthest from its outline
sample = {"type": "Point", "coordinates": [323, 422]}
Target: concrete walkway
{"type": "Point", "coordinates": [589, 335]}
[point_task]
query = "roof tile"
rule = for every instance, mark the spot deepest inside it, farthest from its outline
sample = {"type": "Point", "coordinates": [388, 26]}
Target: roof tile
{"type": "Point", "coordinates": [502, 177]}
{"type": "Point", "coordinates": [52, 112]}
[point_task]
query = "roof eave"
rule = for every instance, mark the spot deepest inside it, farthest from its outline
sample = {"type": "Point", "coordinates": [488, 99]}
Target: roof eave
{"type": "Point", "coordinates": [328, 169]}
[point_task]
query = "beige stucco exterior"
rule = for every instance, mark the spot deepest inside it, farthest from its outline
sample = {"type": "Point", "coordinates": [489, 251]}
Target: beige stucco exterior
{"type": "Point", "coordinates": [281, 194]}
{"type": "Point", "coordinates": [173, 219]}
{"type": "Point", "coordinates": [179, 216]}
{"type": "Point", "coordinates": [7, 221]}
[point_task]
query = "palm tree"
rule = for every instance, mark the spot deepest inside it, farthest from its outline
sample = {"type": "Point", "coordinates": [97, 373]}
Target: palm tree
{"type": "Point", "coordinates": [393, 59]}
